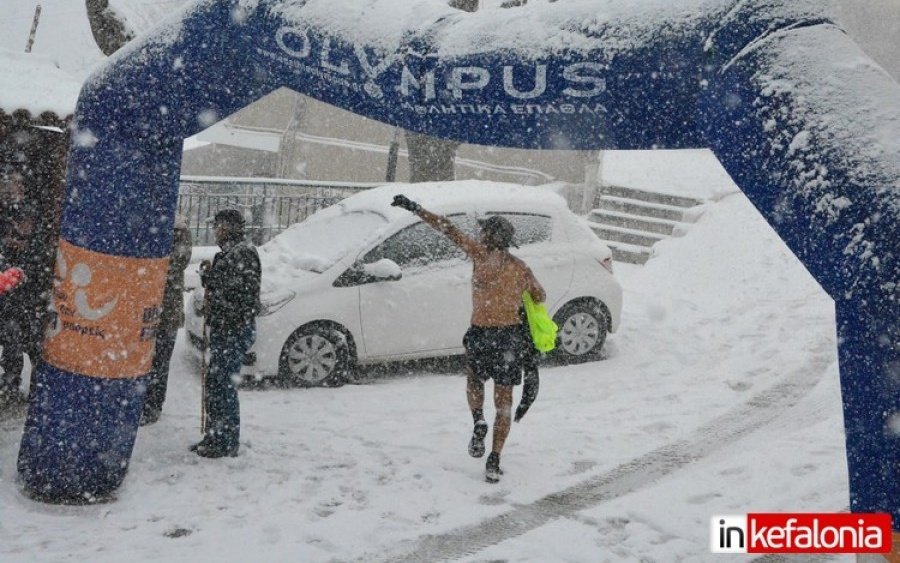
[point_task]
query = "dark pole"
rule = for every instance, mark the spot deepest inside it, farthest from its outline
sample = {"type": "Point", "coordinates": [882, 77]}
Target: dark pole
{"type": "Point", "coordinates": [393, 152]}
{"type": "Point", "coordinates": [34, 24]}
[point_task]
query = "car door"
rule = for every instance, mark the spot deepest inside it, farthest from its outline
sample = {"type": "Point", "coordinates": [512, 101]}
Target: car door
{"type": "Point", "coordinates": [425, 312]}
{"type": "Point", "coordinates": [543, 245]}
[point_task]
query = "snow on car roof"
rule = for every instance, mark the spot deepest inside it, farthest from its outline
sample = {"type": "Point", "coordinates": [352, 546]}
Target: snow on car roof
{"type": "Point", "coordinates": [472, 195]}
{"type": "Point", "coordinates": [316, 244]}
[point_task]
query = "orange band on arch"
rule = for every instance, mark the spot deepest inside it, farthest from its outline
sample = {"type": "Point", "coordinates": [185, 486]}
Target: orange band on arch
{"type": "Point", "coordinates": [894, 555]}
{"type": "Point", "coordinates": [107, 310]}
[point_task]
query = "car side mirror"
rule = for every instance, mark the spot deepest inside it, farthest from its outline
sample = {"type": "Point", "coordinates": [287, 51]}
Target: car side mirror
{"type": "Point", "coordinates": [383, 270]}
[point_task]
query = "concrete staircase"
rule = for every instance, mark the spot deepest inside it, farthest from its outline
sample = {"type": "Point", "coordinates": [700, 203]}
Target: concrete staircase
{"type": "Point", "coordinates": [631, 221]}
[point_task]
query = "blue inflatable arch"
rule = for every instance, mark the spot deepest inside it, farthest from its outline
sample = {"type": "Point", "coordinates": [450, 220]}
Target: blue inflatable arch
{"type": "Point", "coordinates": [804, 122]}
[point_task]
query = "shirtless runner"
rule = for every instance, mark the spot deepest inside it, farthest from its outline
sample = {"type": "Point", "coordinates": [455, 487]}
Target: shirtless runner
{"type": "Point", "coordinates": [495, 344]}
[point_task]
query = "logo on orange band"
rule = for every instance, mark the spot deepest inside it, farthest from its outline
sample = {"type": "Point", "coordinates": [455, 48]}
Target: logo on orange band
{"type": "Point", "coordinates": [106, 309]}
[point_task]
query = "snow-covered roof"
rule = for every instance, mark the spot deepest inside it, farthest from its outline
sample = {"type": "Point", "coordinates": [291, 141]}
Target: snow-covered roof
{"type": "Point", "coordinates": [192, 143]}
{"type": "Point", "coordinates": [242, 137]}
{"type": "Point", "coordinates": [35, 83]}
{"type": "Point", "coordinates": [693, 173]}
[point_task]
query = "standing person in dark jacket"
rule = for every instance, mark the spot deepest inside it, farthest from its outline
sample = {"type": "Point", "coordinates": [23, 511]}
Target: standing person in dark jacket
{"type": "Point", "coordinates": [232, 284]}
{"type": "Point", "coordinates": [170, 320]}
{"type": "Point", "coordinates": [10, 333]}
{"type": "Point", "coordinates": [14, 231]}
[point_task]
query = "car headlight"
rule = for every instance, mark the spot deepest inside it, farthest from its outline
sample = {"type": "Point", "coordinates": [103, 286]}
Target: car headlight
{"type": "Point", "coordinates": [271, 302]}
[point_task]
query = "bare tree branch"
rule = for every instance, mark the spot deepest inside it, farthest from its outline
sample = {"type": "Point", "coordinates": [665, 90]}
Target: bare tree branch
{"type": "Point", "coordinates": [464, 5]}
{"type": "Point", "coordinates": [110, 32]}
{"type": "Point", "coordinates": [432, 159]}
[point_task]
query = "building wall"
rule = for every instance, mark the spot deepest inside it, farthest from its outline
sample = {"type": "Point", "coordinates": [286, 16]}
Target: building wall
{"type": "Point", "coordinates": [333, 144]}
{"type": "Point", "coordinates": [221, 160]}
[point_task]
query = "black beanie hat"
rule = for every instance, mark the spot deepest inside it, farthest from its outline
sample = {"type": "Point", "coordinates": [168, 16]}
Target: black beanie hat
{"type": "Point", "coordinates": [500, 229]}
{"type": "Point", "coordinates": [231, 217]}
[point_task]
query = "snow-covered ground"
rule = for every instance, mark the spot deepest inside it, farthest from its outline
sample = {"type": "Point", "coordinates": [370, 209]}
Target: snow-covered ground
{"type": "Point", "coordinates": [719, 396]}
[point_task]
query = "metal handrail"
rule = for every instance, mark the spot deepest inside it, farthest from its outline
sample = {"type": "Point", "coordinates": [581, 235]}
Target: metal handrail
{"type": "Point", "coordinates": [269, 205]}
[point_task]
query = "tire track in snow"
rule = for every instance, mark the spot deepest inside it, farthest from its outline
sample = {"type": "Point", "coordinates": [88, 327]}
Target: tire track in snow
{"type": "Point", "coordinates": [629, 477]}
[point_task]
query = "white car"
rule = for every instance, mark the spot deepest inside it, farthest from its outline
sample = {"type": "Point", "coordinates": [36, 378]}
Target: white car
{"type": "Point", "coordinates": [362, 282]}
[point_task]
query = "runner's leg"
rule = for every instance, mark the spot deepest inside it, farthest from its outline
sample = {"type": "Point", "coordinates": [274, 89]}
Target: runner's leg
{"type": "Point", "coordinates": [474, 392]}
{"type": "Point", "coordinates": [475, 396]}
{"type": "Point", "coordinates": [503, 398]}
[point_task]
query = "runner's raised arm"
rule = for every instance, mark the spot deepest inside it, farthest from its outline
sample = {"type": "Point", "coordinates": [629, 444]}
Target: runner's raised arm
{"type": "Point", "coordinates": [442, 224]}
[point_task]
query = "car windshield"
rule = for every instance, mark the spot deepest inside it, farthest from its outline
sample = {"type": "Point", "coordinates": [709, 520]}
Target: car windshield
{"type": "Point", "coordinates": [318, 243]}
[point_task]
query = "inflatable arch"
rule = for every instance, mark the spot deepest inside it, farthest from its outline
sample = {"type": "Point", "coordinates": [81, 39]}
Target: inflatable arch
{"type": "Point", "coordinates": [806, 124]}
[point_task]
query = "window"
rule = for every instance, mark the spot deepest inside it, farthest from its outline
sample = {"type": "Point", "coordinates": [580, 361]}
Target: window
{"type": "Point", "coordinates": [419, 245]}
{"type": "Point", "coordinates": [530, 228]}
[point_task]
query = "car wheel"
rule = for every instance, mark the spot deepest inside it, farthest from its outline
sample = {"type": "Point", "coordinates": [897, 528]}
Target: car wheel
{"type": "Point", "coordinates": [315, 355]}
{"type": "Point", "coordinates": [582, 331]}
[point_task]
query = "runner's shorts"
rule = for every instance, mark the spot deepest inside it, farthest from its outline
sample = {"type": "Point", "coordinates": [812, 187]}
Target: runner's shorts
{"type": "Point", "coordinates": [497, 353]}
